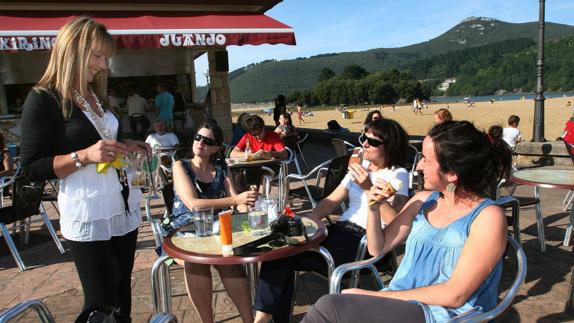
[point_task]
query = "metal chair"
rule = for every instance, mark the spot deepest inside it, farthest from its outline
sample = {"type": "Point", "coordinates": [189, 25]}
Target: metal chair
{"type": "Point", "coordinates": [524, 201]}
{"type": "Point", "coordinates": [37, 305]}
{"type": "Point", "coordinates": [342, 147]}
{"type": "Point", "coordinates": [294, 143]}
{"type": "Point", "coordinates": [26, 202]}
{"type": "Point", "coordinates": [474, 315]}
{"type": "Point", "coordinates": [335, 168]}
{"type": "Point", "coordinates": [414, 177]}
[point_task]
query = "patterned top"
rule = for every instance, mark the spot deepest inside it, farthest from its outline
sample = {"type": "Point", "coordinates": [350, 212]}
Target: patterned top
{"type": "Point", "coordinates": [181, 215]}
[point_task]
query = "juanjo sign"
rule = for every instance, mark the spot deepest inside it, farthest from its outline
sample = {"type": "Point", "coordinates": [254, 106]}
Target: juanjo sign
{"type": "Point", "coordinates": [185, 40]}
{"type": "Point", "coordinates": [20, 43]}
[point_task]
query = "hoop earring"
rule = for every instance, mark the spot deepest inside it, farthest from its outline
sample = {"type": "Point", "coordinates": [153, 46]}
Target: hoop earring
{"type": "Point", "coordinates": [450, 187]}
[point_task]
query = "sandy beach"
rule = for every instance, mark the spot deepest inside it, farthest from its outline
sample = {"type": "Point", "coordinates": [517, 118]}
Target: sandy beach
{"type": "Point", "coordinates": [483, 115]}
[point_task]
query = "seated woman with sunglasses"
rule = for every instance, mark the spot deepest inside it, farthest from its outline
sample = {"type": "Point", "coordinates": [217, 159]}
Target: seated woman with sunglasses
{"type": "Point", "coordinates": [385, 146]}
{"type": "Point", "coordinates": [203, 182]}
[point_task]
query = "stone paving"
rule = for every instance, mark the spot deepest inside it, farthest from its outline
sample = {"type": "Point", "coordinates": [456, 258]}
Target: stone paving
{"type": "Point", "coordinates": [52, 277]}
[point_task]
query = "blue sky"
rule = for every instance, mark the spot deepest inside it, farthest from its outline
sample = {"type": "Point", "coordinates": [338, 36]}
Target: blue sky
{"type": "Point", "coordinates": [332, 26]}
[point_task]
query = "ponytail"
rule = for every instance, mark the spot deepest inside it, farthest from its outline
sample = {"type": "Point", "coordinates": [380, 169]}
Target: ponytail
{"type": "Point", "coordinates": [478, 162]}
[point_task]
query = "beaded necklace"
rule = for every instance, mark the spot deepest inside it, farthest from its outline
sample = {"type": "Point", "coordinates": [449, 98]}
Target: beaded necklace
{"type": "Point", "coordinates": [98, 121]}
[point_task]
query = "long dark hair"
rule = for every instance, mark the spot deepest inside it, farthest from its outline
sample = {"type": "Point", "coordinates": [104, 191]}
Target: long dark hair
{"type": "Point", "coordinates": [370, 115]}
{"type": "Point", "coordinates": [287, 117]}
{"type": "Point", "coordinates": [468, 152]}
{"type": "Point", "coordinates": [395, 141]}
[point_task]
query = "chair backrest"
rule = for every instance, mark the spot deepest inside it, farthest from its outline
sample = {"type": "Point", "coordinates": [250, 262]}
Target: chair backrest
{"type": "Point", "coordinates": [302, 138]}
{"type": "Point", "coordinates": [27, 197]}
{"type": "Point", "coordinates": [478, 316]}
{"type": "Point", "coordinates": [168, 196]}
{"type": "Point", "coordinates": [335, 173]}
{"type": "Point", "coordinates": [290, 142]}
{"type": "Point", "coordinates": [339, 145]}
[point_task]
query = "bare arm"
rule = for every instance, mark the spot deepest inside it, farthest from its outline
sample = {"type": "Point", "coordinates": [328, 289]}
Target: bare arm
{"type": "Point", "coordinates": [486, 241]}
{"type": "Point", "coordinates": [328, 204]}
{"type": "Point", "coordinates": [244, 199]}
{"type": "Point", "coordinates": [236, 153]}
{"type": "Point", "coordinates": [397, 230]}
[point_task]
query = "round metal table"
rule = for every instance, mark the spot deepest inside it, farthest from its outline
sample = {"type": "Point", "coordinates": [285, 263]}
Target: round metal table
{"type": "Point", "coordinates": [548, 178]}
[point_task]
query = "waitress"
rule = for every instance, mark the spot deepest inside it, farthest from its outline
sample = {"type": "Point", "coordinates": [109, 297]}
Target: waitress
{"type": "Point", "coordinates": [67, 128]}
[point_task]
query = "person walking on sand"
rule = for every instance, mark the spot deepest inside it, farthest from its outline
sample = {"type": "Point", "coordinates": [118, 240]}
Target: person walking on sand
{"type": "Point", "coordinates": [300, 114]}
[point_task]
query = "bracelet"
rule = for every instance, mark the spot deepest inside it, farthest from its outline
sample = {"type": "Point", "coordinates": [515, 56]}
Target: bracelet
{"type": "Point", "coordinates": [76, 160]}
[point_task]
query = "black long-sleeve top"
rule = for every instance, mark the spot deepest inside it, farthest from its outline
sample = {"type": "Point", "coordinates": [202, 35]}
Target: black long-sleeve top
{"type": "Point", "coordinates": [46, 134]}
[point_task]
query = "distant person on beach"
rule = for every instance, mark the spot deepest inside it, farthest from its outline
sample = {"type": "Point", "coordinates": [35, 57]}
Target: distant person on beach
{"type": "Point", "coordinates": [300, 114]}
{"type": "Point", "coordinates": [511, 134]}
{"type": "Point", "coordinates": [442, 115]}
{"type": "Point", "coordinates": [280, 108]}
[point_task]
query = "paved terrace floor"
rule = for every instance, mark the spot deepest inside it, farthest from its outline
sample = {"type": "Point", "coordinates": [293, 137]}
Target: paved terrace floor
{"type": "Point", "coordinates": [52, 277]}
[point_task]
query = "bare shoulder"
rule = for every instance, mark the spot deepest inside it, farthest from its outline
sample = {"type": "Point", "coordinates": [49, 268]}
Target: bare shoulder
{"type": "Point", "coordinates": [491, 220]}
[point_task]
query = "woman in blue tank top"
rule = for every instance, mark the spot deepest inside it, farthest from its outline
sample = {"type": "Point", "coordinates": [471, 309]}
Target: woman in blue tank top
{"type": "Point", "coordinates": [202, 182]}
{"type": "Point", "coordinates": [455, 236]}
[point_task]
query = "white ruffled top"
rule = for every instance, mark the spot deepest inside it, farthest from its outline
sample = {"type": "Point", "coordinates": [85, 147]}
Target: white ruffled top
{"type": "Point", "coordinates": [91, 204]}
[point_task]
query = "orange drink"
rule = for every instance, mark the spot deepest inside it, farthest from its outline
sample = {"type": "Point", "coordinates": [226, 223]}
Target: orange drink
{"type": "Point", "coordinates": [225, 233]}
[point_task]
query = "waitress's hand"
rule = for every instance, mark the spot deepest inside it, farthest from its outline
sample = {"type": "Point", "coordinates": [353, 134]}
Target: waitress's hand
{"type": "Point", "coordinates": [247, 198]}
{"type": "Point", "coordinates": [360, 176]}
{"type": "Point", "coordinates": [137, 145]}
{"type": "Point", "coordinates": [102, 151]}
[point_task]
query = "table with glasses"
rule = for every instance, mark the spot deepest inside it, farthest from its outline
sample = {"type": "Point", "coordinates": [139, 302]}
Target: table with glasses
{"type": "Point", "coordinates": [548, 178]}
{"type": "Point", "coordinates": [207, 250]}
{"type": "Point", "coordinates": [239, 165]}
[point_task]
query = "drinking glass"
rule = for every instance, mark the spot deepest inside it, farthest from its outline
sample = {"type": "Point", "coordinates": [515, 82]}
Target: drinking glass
{"type": "Point", "coordinates": [203, 221]}
{"type": "Point", "coordinates": [140, 177]}
{"type": "Point", "coordinates": [258, 219]}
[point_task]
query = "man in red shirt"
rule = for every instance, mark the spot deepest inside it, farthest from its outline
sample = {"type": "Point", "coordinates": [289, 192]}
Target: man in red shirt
{"type": "Point", "coordinates": [260, 139]}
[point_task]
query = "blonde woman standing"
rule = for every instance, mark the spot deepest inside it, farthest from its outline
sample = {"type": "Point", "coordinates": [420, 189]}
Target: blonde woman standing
{"type": "Point", "coordinates": [67, 127]}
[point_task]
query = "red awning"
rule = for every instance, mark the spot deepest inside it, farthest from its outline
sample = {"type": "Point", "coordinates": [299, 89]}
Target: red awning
{"type": "Point", "coordinates": [30, 31]}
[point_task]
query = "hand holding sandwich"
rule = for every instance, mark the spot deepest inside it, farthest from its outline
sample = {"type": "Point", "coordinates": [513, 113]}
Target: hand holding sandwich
{"type": "Point", "coordinates": [382, 190]}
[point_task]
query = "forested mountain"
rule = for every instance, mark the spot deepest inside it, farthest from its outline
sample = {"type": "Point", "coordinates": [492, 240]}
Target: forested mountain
{"type": "Point", "coordinates": [263, 81]}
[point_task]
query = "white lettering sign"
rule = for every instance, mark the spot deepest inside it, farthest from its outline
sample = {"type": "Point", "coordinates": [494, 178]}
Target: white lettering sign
{"type": "Point", "coordinates": [188, 40]}
{"type": "Point", "coordinates": [26, 43]}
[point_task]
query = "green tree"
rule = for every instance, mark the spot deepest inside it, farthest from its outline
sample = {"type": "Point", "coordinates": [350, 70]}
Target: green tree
{"type": "Point", "coordinates": [354, 72]}
{"type": "Point", "coordinates": [326, 74]}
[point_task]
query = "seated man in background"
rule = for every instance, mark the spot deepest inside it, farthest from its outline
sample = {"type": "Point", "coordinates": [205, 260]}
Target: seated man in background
{"type": "Point", "coordinates": [136, 111]}
{"type": "Point", "coordinates": [161, 139]}
{"type": "Point", "coordinates": [258, 138]}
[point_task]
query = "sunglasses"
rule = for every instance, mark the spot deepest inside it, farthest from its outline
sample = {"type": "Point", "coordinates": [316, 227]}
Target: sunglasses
{"type": "Point", "coordinates": [373, 142]}
{"type": "Point", "coordinates": [206, 140]}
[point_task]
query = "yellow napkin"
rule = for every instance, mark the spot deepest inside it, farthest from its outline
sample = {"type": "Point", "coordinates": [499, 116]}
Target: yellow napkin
{"type": "Point", "coordinates": [117, 164]}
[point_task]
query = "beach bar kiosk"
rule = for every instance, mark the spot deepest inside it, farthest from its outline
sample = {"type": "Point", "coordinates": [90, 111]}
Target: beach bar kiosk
{"type": "Point", "coordinates": [154, 39]}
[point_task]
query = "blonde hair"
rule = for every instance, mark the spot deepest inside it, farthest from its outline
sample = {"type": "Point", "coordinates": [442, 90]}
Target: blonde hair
{"type": "Point", "coordinates": [443, 114]}
{"type": "Point", "coordinates": [69, 61]}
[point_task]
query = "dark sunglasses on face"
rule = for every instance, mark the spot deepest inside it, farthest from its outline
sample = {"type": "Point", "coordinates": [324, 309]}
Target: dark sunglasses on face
{"type": "Point", "coordinates": [373, 142]}
{"type": "Point", "coordinates": [206, 140]}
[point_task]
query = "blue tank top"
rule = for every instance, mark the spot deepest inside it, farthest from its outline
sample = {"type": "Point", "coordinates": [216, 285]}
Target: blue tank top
{"type": "Point", "coordinates": [431, 255]}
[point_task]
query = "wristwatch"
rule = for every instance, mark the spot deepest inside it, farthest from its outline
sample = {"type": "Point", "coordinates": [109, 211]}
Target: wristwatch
{"type": "Point", "coordinates": [76, 160]}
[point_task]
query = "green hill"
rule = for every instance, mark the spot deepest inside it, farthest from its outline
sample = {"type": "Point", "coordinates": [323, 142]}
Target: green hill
{"type": "Point", "coordinates": [263, 81]}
